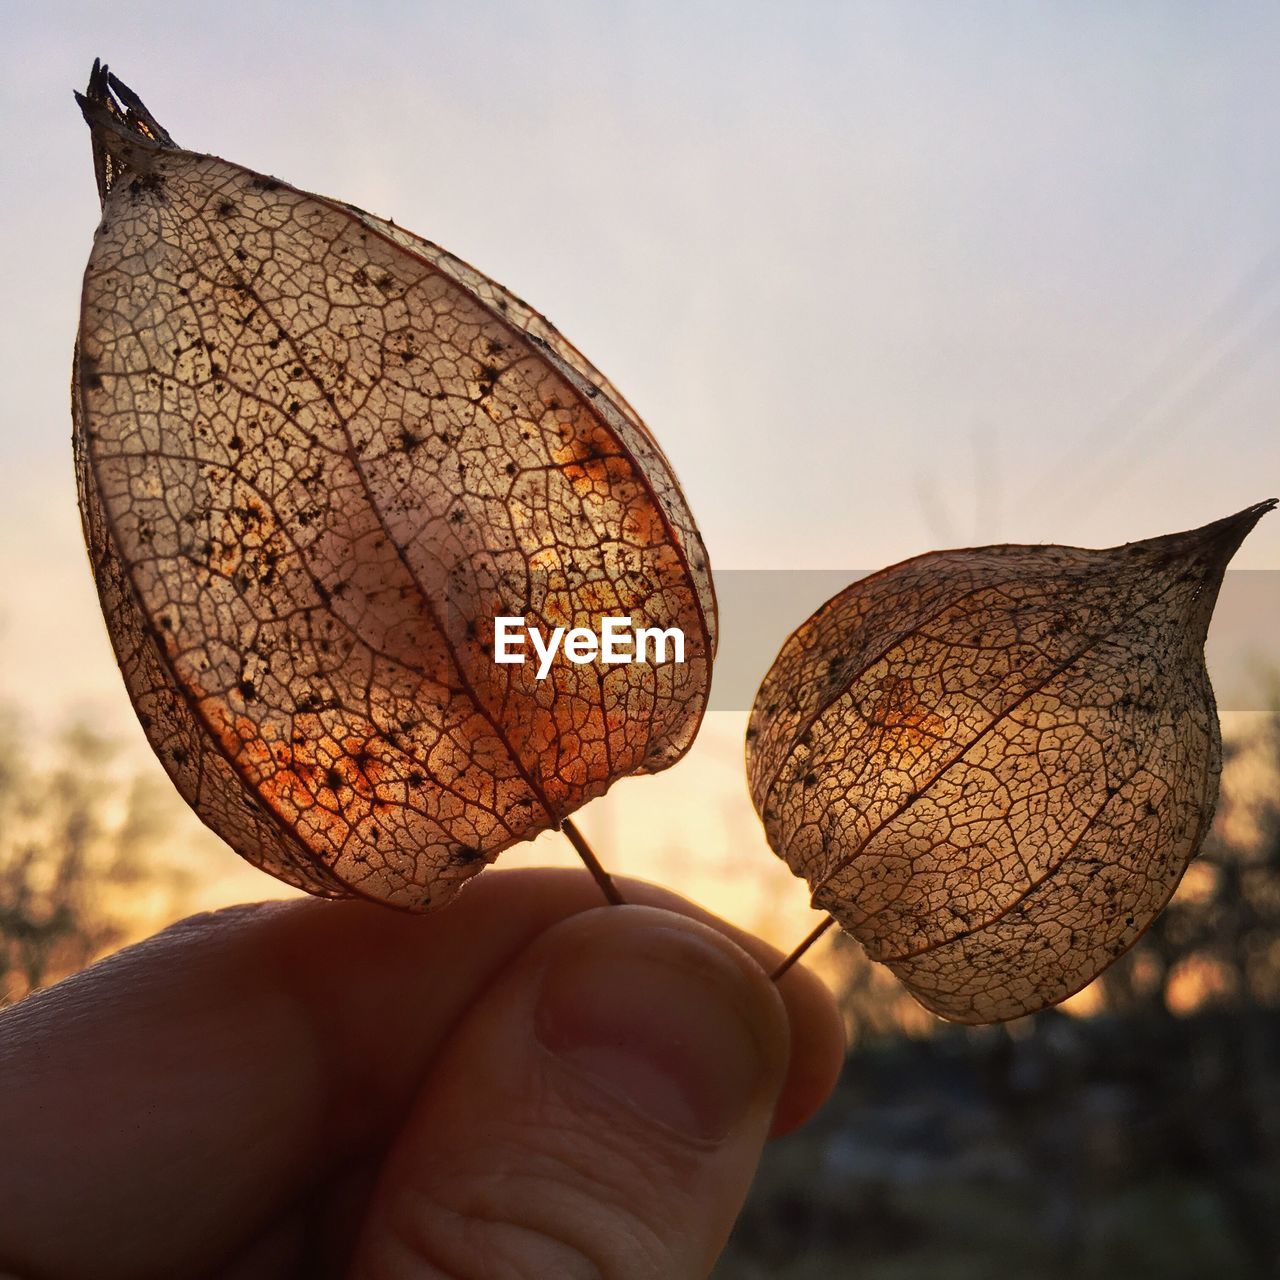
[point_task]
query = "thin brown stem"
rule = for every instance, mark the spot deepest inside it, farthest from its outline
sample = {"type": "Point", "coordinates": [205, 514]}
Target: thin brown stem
{"type": "Point", "coordinates": [592, 863]}
{"type": "Point", "coordinates": [802, 948]}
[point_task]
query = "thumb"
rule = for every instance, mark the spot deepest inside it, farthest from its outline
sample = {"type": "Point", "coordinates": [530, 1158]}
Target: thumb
{"type": "Point", "coordinates": [598, 1113]}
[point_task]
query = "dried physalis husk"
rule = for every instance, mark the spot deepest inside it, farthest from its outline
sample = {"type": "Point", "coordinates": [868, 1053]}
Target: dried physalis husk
{"type": "Point", "coordinates": [992, 766]}
{"type": "Point", "coordinates": [318, 457]}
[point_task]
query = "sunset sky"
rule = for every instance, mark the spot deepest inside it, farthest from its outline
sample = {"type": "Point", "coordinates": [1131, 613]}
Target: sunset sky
{"type": "Point", "coordinates": [881, 277]}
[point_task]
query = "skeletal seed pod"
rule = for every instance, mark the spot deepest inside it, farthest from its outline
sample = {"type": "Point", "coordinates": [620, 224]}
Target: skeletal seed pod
{"type": "Point", "coordinates": [992, 766]}
{"type": "Point", "coordinates": [317, 457]}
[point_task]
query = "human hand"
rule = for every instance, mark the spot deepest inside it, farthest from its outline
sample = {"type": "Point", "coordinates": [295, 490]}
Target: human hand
{"type": "Point", "coordinates": [522, 1084]}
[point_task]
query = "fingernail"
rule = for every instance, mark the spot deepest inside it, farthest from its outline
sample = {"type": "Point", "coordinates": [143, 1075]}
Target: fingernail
{"type": "Point", "coordinates": [663, 1020]}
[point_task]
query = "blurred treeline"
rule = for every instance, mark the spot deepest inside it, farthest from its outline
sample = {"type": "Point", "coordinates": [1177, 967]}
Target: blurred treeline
{"type": "Point", "coordinates": [1141, 1140]}
{"type": "Point", "coordinates": [83, 862]}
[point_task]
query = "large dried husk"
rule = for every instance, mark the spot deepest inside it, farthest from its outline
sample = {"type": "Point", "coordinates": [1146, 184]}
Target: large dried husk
{"type": "Point", "coordinates": [317, 457]}
{"type": "Point", "coordinates": [993, 765]}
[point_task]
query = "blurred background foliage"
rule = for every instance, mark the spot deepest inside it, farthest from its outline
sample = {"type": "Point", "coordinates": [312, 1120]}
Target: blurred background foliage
{"type": "Point", "coordinates": [84, 860]}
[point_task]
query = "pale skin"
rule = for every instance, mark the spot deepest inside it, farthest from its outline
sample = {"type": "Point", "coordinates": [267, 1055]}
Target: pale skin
{"type": "Point", "coordinates": [522, 1084]}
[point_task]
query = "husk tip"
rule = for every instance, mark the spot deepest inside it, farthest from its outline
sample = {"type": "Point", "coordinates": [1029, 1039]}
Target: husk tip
{"type": "Point", "coordinates": [1233, 530]}
{"type": "Point", "coordinates": [1216, 542]}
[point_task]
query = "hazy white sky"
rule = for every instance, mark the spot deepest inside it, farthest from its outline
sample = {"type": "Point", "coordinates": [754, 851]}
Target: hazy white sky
{"type": "Point", "coordinates": [881, 277]}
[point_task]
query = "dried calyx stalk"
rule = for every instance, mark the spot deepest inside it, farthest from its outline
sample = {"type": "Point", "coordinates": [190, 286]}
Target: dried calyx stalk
{"type": "Point", "coordinates": [992, 766]}
{"type": "Point", "coordinates": [318, 457]}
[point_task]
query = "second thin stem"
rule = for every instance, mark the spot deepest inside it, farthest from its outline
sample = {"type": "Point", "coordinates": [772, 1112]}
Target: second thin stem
{"type": "Point", "coordinates": [802, 948]}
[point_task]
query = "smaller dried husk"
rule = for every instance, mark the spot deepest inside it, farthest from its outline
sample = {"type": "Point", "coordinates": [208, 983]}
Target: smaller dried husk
{"type": "Point", "coordinates": [993, 765]}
